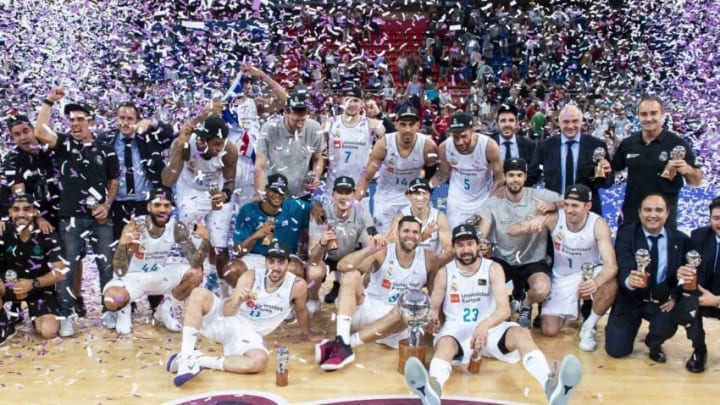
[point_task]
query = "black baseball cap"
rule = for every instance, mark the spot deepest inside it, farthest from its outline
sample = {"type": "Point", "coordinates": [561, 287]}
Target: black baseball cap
{"type": "Point", "coordinates": [344, 182]}
{"type": "Point", "coordinates": [419, 184]}
{"type": "Point", "coordinates": [277, 249]}
{"type": "Point", "coordinates": [23, 197]}
{"type": "Point", "coordinates": [507, 108]}
{"type": "Point", "coordinates": [464, 231]}
{"type": "Point", "coordinates": [78, 106]}
{"type": "Point", "coordinates": [407, 112]}
{"type": "Point", "coordinates": [161, 193]}
{"type": "Point", "coordinates": [278, 183]}
{"type": "Point", "coordinates": [213, 127]}
{"type": "Point", "coordinates": [579, 192]}
{"type": "Point", "coordinates": [352, 90]}
{"type": "Point", "coordinates": [297, 99]}
{"type": "Point", "coordinates": [13, 120]}
{"type": "Point", "coordinates": [515, 164]}
{"type": "Point", "coordinates": [460, 122]}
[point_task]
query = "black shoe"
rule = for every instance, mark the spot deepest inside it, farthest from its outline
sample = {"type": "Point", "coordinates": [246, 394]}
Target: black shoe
{"type": "Point", "coordinates": [657, 355]}
{"type": "Point", "coordinates": [696, 362]}
{"type": "Point", "coordinates": [18, 318]}
{"type": "Point", "coordinates": [80, 309]}
{"type": "Point", "coordinates": [332, 295]}
{"type": "Point", "coordinates": [6, 333]}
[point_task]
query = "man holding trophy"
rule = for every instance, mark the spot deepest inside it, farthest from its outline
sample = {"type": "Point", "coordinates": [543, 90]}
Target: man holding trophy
{"type": "Point", "coordinates": [649, 256]}
{"type": "Point", "coordinates": [470, 290]}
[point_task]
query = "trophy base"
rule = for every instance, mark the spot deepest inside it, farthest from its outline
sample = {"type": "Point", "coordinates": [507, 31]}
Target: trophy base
{"type": "Point", "coordinates": [405, 352]}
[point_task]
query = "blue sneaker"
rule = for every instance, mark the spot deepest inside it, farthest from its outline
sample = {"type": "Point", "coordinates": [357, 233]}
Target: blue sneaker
{"type": "Point", "coordinates": [569, 378]}
{"type": "Point", "coordinates": [418, 379]}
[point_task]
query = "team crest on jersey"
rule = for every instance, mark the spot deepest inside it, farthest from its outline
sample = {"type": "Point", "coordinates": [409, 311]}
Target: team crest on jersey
{"type": "Point", "coordinates": [98, 160]}
{"type": "Point", "coordinates": [386, 283]}
{"type": "Point", "coordinates": [453, 287]}
{"type": "Point", "coordinates": [455, 298]}
{"type": "Point", "coordinates": [663, 156]}
{"type": "Point", "coordinates": [557, 241]}
{"type": "Point", "coordinates": [391, 162]}
{"type": "Point", "coordinates": [389, 271]}
{"type": "Point", "coordinates": [453, 161]}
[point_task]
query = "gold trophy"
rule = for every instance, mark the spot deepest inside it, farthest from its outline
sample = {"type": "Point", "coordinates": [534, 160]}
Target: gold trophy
{"type": "Point", "coordinates": [137, 245]}
{"type": "Point", "coordinates": [598, 156]}
{"type": "Point", "coordinates": [642, 259]}
{"type": "Point", "coordinates": [214, 188]}
{"type": "Point", "coordinates": [693, 260]}
{"type": "Point", "coordinates": [676, 153]}
{"type": "Point", "coordinates": [475, 362]}
{"type": "Point", "coordinates": [267, 240]}
{"type": "Point", "coordinates": [332, 244]}
{"type": "Point", "coordinates": [587, 270]}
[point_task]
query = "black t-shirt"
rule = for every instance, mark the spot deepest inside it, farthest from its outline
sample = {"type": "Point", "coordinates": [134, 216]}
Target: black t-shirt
{"type": "Point", "coordinates": [29, 259]}
{"type": "Point", "coordinates": [40, 175]}
{"type": "Point", "coordinates": [85, 170]}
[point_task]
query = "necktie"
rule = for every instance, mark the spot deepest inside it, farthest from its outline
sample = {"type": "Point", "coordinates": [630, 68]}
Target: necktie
{"type": "Point", "coordinates": [508, 155]}
{"type": "Point", "coordinates": [654, 256]}
{"type": "Point", "coordinates": [129, 178]}
{"type": "Point", "coordinates": [717, 253]}
{"type": "Point", "coordinates": [569, 166]}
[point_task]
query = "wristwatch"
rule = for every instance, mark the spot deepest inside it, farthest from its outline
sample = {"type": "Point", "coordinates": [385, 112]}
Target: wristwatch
{"type": "Point", "coordinates": [36, 284]}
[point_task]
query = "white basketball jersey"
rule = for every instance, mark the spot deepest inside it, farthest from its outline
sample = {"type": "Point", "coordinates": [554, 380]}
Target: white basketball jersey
{"type": "Point", "coordinates": [197, 172]}
{"type": "Point", "coordinates": [572, 249]}
{"type": "Point", "coordinates": [153, 252]}
{"type": "Point", "coordinates": [433, 242]}
{"type": "Point", "coordinates": [396, 171]}
{"type": "Point", "coordinates": [471, 177]}
{"type": "Point", "coordinates": [468, 299]}
{"type": "Point", "coordinates": [348, 149]}
{"type": "Point", "coordinates": [390, 280]}
{"type": "Point", "coordinates": [269, 309]}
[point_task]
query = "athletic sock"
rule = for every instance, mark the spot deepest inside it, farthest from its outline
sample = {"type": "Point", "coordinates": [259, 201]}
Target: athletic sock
{"type": "Point", "coordinates": [536, 364]}
{"type": "Point", "coordinates": [215, 363]}
{"type": "Point", "coordinates": [593, 319]}
{"type": "Point", "coordinates": [355, 340]}
{"type": "Point", "coordinates": [440, 370]}
{"type": "Point", "coordinates": [189, 338]}
{"type": "Point", "coordinates": [343, 327]}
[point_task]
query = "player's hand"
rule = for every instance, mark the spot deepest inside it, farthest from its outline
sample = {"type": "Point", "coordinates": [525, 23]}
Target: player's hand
{"type": "Point", "coordinates": [185, 132]}
{"type": "Point", "coordinates": [544, 207]}
{"type": "Point", "coordinates": [430, 228]}
{"type": "Point", "coordinates": [130, 232]}
{"type": "Point", "coordinates": [479, 337]}
{"type": "Point", "coordinates": [588, 287]}
{"type": "Point", "coordinates": [44, 226]}
{"type": "Point", "coordinates": [201, 230]}
{"type": "Point", "coordinates": [142, 126]}
{"type": "Point", "coordinates": [686, 274]}
{"type": "Point", "coordinates": [707, 299]}
{"type": "Point", "coordinates": [433, 324]}
{"type": "Point", "coordinates": [56, 94]}
{"type": "Point", "coordinates": [636, 279]}
{"type": "Point", "coordinates": [22, 287]}
{"type": "Point", "coordinates": [100, 212]}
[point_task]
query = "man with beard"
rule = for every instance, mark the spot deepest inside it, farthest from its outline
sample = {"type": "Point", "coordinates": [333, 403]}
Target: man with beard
{"type": "Point", "coordinates": [141, 262]}
{"type": "Point", "coordinates": [342, 223]}
{"type": "Point", "coordinates": [89, 180]}
{"type": "Point", "coordinates": [351, 136]}
{"type": "Point", "coordinates": [400, 157]}
{"type": "Point", "coordinates": [261, 300]}
{"type": "Point", "coordinates": [202, 163]}
{"type": "Point", "coordinates": [579, 237]}
{"type": "Point", "coordinates": [472, 164]}
{"type": "Point", "coordinates": [510, 144]}
{"type": "Point", "coordinates": [372, 311]}
{"type": "Point", "coordinates": [523, 258]}
{"type": "Point", "coordinates": [471, 292]}
{"type": "Point", "coordinates": [32, 266]}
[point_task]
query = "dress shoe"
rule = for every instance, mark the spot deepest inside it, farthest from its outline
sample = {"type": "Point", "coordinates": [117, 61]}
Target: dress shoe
{"type": "Point", "coordinates": [696, 362]}
{"type": "Point", "coordinates": [657, 355]}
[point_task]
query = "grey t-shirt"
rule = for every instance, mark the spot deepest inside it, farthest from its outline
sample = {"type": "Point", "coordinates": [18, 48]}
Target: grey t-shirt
{"type": "Point", "coordinates": [502, 213]}
{"type": "Point", "coordinates": [289, 154]}
{"type": "Point", "coordinates": [349, 232]}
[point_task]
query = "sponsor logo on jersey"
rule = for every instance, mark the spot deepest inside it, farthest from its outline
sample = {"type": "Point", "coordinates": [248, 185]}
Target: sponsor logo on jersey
{"type": "Point", "coordinates": [386, 283]}
{"type": "Point", "coordinates": [455, 298]}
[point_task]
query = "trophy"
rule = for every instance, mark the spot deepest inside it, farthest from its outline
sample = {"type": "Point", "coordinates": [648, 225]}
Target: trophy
{"type": "Point", "coordinates": [484, 245]}
{"type": "Point", "coordinates": [267, 240]}
{"type": "Point", "coordinates": [676, 153]}
{"type": "Point", "coordinates": [693, 260]}
{"type": "Point", "coordinates": [587, 270]}
{"type": "Point", "coordinates": [414, 309]}
{"type": "Point", "coordinates": [214, 188]}
{"type": "Point", "coordinates": [11, 278]}
{"type": "Point", "coordinates": [281, 373]}
{"type": "Point", "coordinates": [92, 202]}
{"type": "Point", "coordinates": [598, 156]}
{"type": "Point", "coordinates": [642, 259]}
{"type": "Point", "coordinates": [136, 246]}
{"type": "Point", "coordinates": [332, 244]}
{"type": "Point", "coordinates": [309, 180]}
{"type": "Point", "coordinates": [475, 362]}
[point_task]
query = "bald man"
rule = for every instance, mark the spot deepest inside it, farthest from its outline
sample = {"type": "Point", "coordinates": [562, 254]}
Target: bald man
{"type": "Point", "coordinates": [568, 158]}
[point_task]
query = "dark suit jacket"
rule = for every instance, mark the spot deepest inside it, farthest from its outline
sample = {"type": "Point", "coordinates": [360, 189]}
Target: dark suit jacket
{"type": "Point", "coordinates": [547, 154]}
{"type": "Point", "coordinates": [526, 147]}
{"type": "Point", "coordinates": [151, 145]}
{"type": "Point", "coordinates": [703, 240]}
{"type": "Point", "coordinates": [629, 239]}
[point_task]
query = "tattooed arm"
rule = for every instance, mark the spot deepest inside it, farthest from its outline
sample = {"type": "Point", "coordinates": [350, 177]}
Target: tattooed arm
{"type": "Point", "coordinates": [121, 259]}
{"type": "Point", "coordinates": [194, 255]}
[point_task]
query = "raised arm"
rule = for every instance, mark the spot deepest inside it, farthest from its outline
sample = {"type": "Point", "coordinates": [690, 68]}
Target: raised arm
{"type": "Point", "coordinates": [194, 256]}
{"type": "Point", "coordinates": [242, 293]}
{"type": "Point", "coordinates": [363, 260]}
{"type": "Point", "coordinates": [492, 153]}
{"type": "Point", "coordinates": [179, 152]}
{"type": "Point", "coordinates": [532, 226]}
{"type": "Point", "coordinates": [442, 174]}
{"type": "Point", "coordinates": [373, 164]}
{"type": "Point", "coordinates": [42, 124]}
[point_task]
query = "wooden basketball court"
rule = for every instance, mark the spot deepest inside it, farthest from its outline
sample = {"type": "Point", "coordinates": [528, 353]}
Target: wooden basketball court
{"type": "Point", "coordinates": [97, 367]}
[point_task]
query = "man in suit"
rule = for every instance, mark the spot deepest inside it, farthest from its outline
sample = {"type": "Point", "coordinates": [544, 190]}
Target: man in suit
{"type": "Point", "coordinates": [706, 240]}
{"type": "Point", "coordinates": [654, 302]}
{"type": "Point", "coordinates": [511, 145]}
{"type": "Point", "coordinates": [567, 159]}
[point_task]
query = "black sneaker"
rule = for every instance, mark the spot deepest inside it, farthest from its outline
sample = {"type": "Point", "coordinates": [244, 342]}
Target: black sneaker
{"type": "Point", "coordinates": [16, 316]}
{"type": "Point", "coordinates": [332, 295]}
{"type": "Point", "coordinates": [80, 308]}
{"type": "Point", "coordinates": [525, 317]}
{"type": "Point", "coordinates": [6, 333]}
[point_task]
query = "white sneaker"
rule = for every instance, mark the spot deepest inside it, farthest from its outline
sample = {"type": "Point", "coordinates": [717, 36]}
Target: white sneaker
{"type": "Point", "coordinates": [588, 340]}
{"type": "Point", "coordinates": [123, 325]}
{"type": "Point", "coordinates": [67, 327]}
{"type": "Point", "coordinates": [313, 306]}
{"type": "Point", "coordinates": [187, 368]}
{"type": "Point", "coordinates": [568, 379]}
{"type": "Point", "coordinates": [109, 319]}
{"type": "Point", "coordinates": [163, 314]}
{"type": "Point", "coordinates": [417, 378]}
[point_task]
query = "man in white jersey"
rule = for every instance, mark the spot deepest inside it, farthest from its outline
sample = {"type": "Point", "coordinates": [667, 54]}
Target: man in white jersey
{"type": "Point", "coordinates": [435, 232]}
{"type": "Point", "coordinates": [255, 308]}
{"type": "Point", "coordinates": [472, 163]}
{"type": "Point", "coordinates": [372, 311]}
{"type": "Point", "coordinates": [141, 263]}
{"type": "Point", "coordinates": [350, 138]}
{"type": "Point", "coordinates": [202, 166]}
{"type": "Point", "coordinates": [471, 292]}
{"type": "Point", "coordinates": [579, 237]}
{"type": "Point", "coordinates": [400, 157]}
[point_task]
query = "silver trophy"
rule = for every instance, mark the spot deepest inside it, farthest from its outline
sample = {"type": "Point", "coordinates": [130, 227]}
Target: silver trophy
{"type": "Point", "coordinates": [693, 260]}
{"type": "Point", "coordinates": [587, 270]}
{"type": "Point", "coordinates": [598, 156]}
{"type": "Point", "coordinates": [414, 308]}
{"type": "Point", "coordinates": [642, 259]}
{"type": "Point", "coordinates": [676, 153]}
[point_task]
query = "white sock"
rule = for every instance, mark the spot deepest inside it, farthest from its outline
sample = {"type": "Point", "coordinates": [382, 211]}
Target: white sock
{"type": "Point", "coordinates": [355, 340]}
{"type": "Point", "coordinates": [440, 370]}
{"type": "Point", "coordinates": [343, 327]}
{"type": "Point", "coordinates": [536, 364]}
{"type": "Point", "coordinates": [215, 363]}
{"type": "Point", "coordinates": [593, 319]}
{"type": "Point", "coordinates": [189, 338]}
